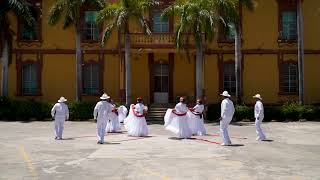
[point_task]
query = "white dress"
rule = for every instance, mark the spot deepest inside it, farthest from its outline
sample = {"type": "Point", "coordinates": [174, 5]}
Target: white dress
{"type": "Point", "coordinates": [122, 113]}
{"type": "Point", "coordinates": [177, 122]}
{"type": "Point", "coordinates": [113, 124]}
{"type": "Point", "coordinates": [196, 120]}
{"type": "Point", "coordinates": [136, 123]}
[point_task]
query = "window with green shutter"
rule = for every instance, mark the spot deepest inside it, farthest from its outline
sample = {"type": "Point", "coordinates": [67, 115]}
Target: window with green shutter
{"type": "Point", "coordinates": [289, 25]}
{"type": "Point", "coordinates": [91, 29]}
{"type": "Point", "coordinates": [160, 25]}
{"type": "Point", "coordinates": [229, 78]}
{"type": "Point", "coordinates": [29, 79]}
{"type": "Point", "coordinates": [290, 78]}
{"type": "Point", "coordinates": [91, 79]}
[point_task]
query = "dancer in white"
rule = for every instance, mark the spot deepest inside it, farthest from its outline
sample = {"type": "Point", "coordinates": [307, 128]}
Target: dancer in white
{"type": "Point", "coordinates": [136, 123]}
{"type": "Point", "coordinates": [227, 111]}
{"type": "Point", "coordinates": [60, 113]}
{"type": "Point", "coordinates": [101, 113]}
{"type": "Point", "coordinates": [259, 115]}
{"type": "Point", "coordinates": [122, 113]}
{"type": "Point", "coordinates": [196, 119]}
{"type": "Point", "coordinates": [113, 124]}
{"type": "Point", "coordinates": [176, 120]}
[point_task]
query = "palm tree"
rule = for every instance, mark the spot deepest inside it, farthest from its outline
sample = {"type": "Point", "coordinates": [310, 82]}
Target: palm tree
{"type": "Point", "coordinates": [300, 51]}
{"type": "Point", "coordinates": [117, 16]}
{"type": "Point", "coordinates": [231, 15]}
{"type": "Point", "coordinates": [21, 9]}
{"type": "Point", "coordinates": [197, 18]}
{"type": "Point", "coordinates": [71, 11]}
{"type": "Point", "coordinates": [238, 46]}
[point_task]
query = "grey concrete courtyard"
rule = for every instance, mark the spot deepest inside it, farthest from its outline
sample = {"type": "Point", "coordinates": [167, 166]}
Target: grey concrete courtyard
{"type": "Point", "coordinates": [29, 151]}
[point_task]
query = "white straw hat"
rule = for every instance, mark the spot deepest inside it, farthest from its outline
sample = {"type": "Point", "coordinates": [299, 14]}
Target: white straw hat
{"type": "Point", "coordinates": [104, 97]}
{"type": "Point", "coordinates": [258, 96]}
{"type": "Point", "coordinates": [225, 94]}
{"type": "Point", "coordinates": [62, 99]}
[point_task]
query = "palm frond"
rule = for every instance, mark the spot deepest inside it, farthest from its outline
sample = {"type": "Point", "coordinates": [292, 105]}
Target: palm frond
{"type": "Point", "coordinates": [56, 11]}
{"type": "Point", "coordinates": [22, 10]}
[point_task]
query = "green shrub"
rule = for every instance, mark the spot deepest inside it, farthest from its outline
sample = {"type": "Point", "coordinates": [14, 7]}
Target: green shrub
{"type": "Point", "coordinates": [213, 112]}
{"type": "Point", "coordinates": [243, 112]}
{"type": "Point", "coordinates": [5, 108]}
{"type": "Point", "coordinates": [273, 113]}
{"type": "Point", "coordinates": [23, 109]}
{"type": "Point", "coordinates": [81, 110]}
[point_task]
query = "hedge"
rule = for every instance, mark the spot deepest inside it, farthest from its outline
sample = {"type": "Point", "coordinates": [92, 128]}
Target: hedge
{"type": "Point", "coordinates": [288, 111]}
{"type": "Point", "coordinates": [28, 109]}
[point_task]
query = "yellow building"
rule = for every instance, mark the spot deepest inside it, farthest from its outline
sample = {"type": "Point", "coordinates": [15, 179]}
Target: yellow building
{"type": "Point", "coordinates": [43, 63]}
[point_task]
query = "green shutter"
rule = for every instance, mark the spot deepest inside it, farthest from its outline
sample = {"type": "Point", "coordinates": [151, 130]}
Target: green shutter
{"type": "Point", "coordinates": [29, 79]}
{"type": "Point", "coordinates": [289, 25]}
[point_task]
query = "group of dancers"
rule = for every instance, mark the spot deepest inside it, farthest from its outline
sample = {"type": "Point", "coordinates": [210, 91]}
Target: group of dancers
{"type": "Point", "coordinates": [181, 120]}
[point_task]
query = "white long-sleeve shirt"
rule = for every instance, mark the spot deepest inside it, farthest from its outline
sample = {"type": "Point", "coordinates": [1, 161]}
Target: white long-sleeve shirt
{"type": "Point", "coordinates": [181, 108]}
{"type": "Point", "coordinates": [227, 108]}
{"type": "Point", "coordinates": [101, 110]}
{"type": "Point", "coordinates": [199, 108]}
{"type": "Point", "coordinates": [139, 108]}
{"type": "Point", "coordinates": [60, 110]}
{"type": "Point", "coordinates": [259, 110]}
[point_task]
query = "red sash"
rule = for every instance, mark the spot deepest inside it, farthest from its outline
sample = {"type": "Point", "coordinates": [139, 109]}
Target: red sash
{"type": "Point", "coordinates": [135, 113]}
{"type": "Point", "coordinates": [174, 112]}
{"type": "Point", "coordinates": [115, 111]}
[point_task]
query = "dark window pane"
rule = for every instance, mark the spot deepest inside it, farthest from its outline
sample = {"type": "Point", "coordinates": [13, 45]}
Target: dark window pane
{"type": "Point", "coordinates": [91, 80]}
{"type": "Point", "coordinates": [29, 79]}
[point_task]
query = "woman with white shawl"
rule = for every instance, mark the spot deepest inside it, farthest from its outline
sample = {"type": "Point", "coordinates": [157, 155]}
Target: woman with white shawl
{"type": "Point", "coordinates": [113, 124]}
{"type": "Point", "coordinates": [176, 120]}
{"type": "Point", "coordinates": [136, 123]}
{"type": "Point", "coordinates": [196, 119]}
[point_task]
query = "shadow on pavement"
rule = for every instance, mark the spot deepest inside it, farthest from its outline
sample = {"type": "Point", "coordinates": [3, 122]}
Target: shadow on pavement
{"type": "Point", "coordinates": [236, 145]}
{"type": "Point", "coordinates": [268, 140]}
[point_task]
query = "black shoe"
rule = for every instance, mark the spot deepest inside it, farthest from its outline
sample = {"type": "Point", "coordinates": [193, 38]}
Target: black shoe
{"type": "Point", "coordinates": [56, 138]}
{"type": "Point", "coordinates": [98, 142]}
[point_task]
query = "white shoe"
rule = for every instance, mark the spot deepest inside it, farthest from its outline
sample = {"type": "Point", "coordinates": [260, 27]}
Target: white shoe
{"type": "Point", "coordinates": [224, 144]}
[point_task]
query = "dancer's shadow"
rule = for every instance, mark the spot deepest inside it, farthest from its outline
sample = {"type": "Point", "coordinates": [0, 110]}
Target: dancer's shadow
{"type": "Point", "coordinates": [179, 139]}
{"type": "Point", "coordinates": [268, 140]}
{"type": "Point", "coordinates": [236, 145]}
{"type": "Point", "coordinates": [110, 143]}
{"type": "Point", "coordinates": [67, 139]}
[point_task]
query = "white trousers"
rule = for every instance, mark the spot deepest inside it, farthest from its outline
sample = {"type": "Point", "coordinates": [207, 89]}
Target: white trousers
{"type": "Point", "coordinates": [101, 129]}
{"type": "Point", "coordinates": [59, 126]}
{"type": "Point", "coordinates": [259, 131]}
{"type": "Point", "coordinates": [224, 123]}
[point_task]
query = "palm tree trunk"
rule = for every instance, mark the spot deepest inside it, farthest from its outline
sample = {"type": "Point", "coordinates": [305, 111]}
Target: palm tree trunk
{"type": "Point", "coordinates": [238, 56]}
{"type": "Point", "coordinates": [78, 63]}
{"type": "Point", "coordinates": [199, 70]}
{"type": "Point", "coordinates": [300, 51]}
{"type": "Point", "coordinates": [5, 61]}
{"type": "Point", "coordinates": [128, 68]}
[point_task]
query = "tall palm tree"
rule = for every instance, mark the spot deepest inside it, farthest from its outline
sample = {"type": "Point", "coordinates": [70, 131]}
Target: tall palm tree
{"type": "Point", "coordinates": [71, 11]}
{"type": "Point", "coordinates": [300, 51]}
{"type": "Point", "coordinates": [197, 18]}
{"type": "Point", "coordinates": [117, 16]}
{"type": "Point", "coordinates": [231, 13]}
{"type": "Point", "coordinates": [21, 9]}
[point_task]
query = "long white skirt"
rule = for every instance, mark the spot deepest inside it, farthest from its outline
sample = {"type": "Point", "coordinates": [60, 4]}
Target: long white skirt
{"type": "Point", "coordinates": [196, 124]}
{"type": "Point", "coordinates": [113, 124]}
{"type": "Point", "coordinates": [177, 124]}
{"type": "Point", "coordinates": [136, 126]}
{"type": "Point", "coordinates": [122, 113]}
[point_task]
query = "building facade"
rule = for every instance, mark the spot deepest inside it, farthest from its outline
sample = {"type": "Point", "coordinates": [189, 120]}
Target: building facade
{"type": "Point", "coordinates": [43, 62]}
